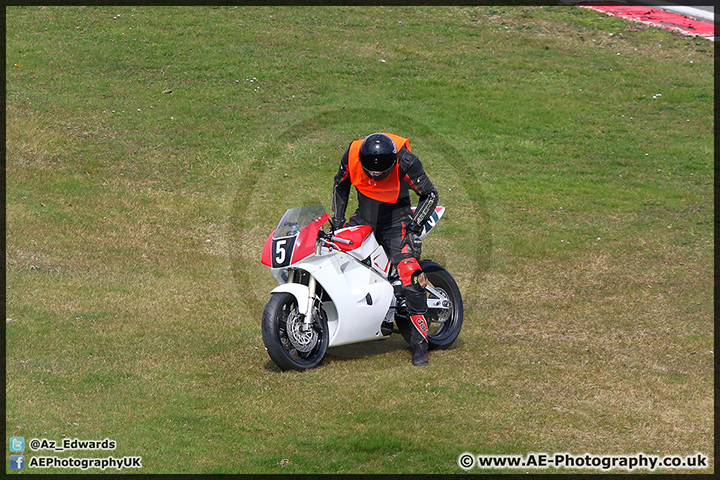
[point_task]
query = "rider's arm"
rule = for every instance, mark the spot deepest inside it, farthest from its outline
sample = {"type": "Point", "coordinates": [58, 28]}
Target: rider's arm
{"type": "Point", "coordinates": [421, 184]}
{"type": "Point", "coordinates": [341, 192]}
{"type": "Point", "coordinates": [426, 207]}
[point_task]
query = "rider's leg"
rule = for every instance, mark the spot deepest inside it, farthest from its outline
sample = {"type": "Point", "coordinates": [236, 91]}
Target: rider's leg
{"type": "Point", "coordinates": [413, 280]}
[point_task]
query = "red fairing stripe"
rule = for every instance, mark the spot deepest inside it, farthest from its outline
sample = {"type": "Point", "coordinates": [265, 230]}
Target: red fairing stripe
{"type": "Point", "coordinates": [420, 324]}
{"type": "Point", "coordinates": [305, 241]}
{"type": "Point", "coordinates": [356, 234]}
{"type": "Point", "coordinates": [385, 268]}
{"type": "Point", "coordinates": [267, 251]}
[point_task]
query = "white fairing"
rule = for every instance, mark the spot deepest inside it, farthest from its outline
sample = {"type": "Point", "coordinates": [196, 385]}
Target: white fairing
{"type": "Point", "coordinates": [359, 296]}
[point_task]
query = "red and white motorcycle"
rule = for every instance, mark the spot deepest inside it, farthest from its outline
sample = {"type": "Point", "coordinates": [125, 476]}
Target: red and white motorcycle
{"type": "Point", "coordinates": [337, 289]}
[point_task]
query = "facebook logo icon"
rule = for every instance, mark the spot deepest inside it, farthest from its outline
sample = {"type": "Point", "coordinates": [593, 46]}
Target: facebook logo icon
{"type": "Point", "coordinates": [17, 462]}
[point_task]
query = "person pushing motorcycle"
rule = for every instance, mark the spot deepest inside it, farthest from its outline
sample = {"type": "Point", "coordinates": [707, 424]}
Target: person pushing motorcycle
{"type": "Point", "coordinates": [383, 170]}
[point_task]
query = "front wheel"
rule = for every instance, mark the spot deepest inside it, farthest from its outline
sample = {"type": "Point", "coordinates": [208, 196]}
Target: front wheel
{"type": "Point", "coordinates": [444, 323]}
{"type": "Point", "coordinates": [290, 345]}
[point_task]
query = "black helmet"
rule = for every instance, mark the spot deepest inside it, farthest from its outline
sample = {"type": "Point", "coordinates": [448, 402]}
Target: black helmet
{"type": "Point", "coordinates": [378, 156]}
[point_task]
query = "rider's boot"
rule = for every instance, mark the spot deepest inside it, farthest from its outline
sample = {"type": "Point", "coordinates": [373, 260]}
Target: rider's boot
{"type": "Point", "coordinates": [418, 340]}
{"type": "Point", "coordinates": [420, 353]}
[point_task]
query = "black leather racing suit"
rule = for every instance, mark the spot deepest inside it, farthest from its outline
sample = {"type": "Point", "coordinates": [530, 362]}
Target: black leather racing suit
{"type": "Point", "coordinates": [391, 221]}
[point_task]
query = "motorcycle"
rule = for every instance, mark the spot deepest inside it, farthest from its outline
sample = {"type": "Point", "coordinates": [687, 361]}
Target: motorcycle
{"type": "Point", "coordinates": [340, 287]}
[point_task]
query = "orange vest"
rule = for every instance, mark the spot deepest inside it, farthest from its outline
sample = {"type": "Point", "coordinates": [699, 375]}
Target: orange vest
{"type": "Point", "coordinates": [387, 190]}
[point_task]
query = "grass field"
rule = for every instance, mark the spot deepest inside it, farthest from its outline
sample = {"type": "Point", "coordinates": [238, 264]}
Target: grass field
{"type": "Point", "coordinates": [151, 150]}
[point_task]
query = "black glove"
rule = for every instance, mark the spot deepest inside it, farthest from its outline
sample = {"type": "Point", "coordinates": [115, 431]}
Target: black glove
{"type": "Point", "coordinates": [412, 240]}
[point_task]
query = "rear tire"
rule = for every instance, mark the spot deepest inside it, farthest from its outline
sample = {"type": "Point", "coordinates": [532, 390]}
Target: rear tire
{"type": "Point", "coordinates": [443, 325]}
{"type": "Point", "coordinates": [288, 345]}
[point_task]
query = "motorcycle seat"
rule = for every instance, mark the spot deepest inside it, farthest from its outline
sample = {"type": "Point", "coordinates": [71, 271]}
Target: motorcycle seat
{"type": "Point", "coordinates": [356, 234]}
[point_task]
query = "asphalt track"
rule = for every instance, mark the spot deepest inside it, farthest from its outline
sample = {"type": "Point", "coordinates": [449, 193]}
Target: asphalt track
{"type": "Point", "coordinates": [694, 21]}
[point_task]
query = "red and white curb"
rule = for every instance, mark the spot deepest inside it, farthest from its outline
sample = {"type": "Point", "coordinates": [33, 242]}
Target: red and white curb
{"type": "Point", "coordinates": [655, 17]}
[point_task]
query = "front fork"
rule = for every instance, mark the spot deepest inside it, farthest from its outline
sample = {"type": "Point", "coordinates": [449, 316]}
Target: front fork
{"type": "Point", "coordinates": [312, 286]}
{"type": "Point", "coordinates": [312, 290]}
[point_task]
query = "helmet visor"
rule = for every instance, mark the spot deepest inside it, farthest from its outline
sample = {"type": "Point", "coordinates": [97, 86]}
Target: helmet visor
{"type": "Point", "coordinates": [379, 175]}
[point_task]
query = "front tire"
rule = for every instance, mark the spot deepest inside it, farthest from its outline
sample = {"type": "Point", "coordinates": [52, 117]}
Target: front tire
{"type": "Point", "coordinates": [443, 324]}
{"type": "Point", "coordinates": [287, 343]}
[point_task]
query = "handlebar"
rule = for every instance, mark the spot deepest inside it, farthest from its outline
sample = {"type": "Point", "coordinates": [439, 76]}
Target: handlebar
{"type": "Point", "coordinates": [332, 238]}
{"type": "Point", "coordinates": [341, 240]}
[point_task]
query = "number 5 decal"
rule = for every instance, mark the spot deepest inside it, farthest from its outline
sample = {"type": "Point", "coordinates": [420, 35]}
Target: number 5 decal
{"type": "Point", "coordinates": [280, 251]}
{"type": "Point", "coordinates": [283, 252]}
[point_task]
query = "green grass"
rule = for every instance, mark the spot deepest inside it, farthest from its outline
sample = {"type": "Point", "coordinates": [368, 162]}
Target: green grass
{"type": "Point", "coordinates": [579, 227]}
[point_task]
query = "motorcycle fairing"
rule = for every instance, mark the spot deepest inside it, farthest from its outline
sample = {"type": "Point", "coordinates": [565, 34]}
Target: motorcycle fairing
{"type": "Point", "coordinates": [267, 251]}
{"type": "Point", "coordinates": [288, 244]}
{"type": "Point", "coordinates": [356, 234]}
{"type": "Point", "coordinates": [368, 248]}
{"type": "Point", "coordinates": [305, 242]}
{"type": "Point", "coordinates": [358, 296]}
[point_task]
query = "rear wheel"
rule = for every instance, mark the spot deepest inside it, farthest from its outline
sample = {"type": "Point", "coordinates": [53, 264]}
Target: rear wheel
{"type": "Point", "coordinates": [290, 345]}
{"type": "Point", "coordinates": [445, 322]}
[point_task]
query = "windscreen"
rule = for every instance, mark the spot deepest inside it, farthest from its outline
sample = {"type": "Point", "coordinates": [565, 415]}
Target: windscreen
{"type": "Point", "coordinates": [296, 219]}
